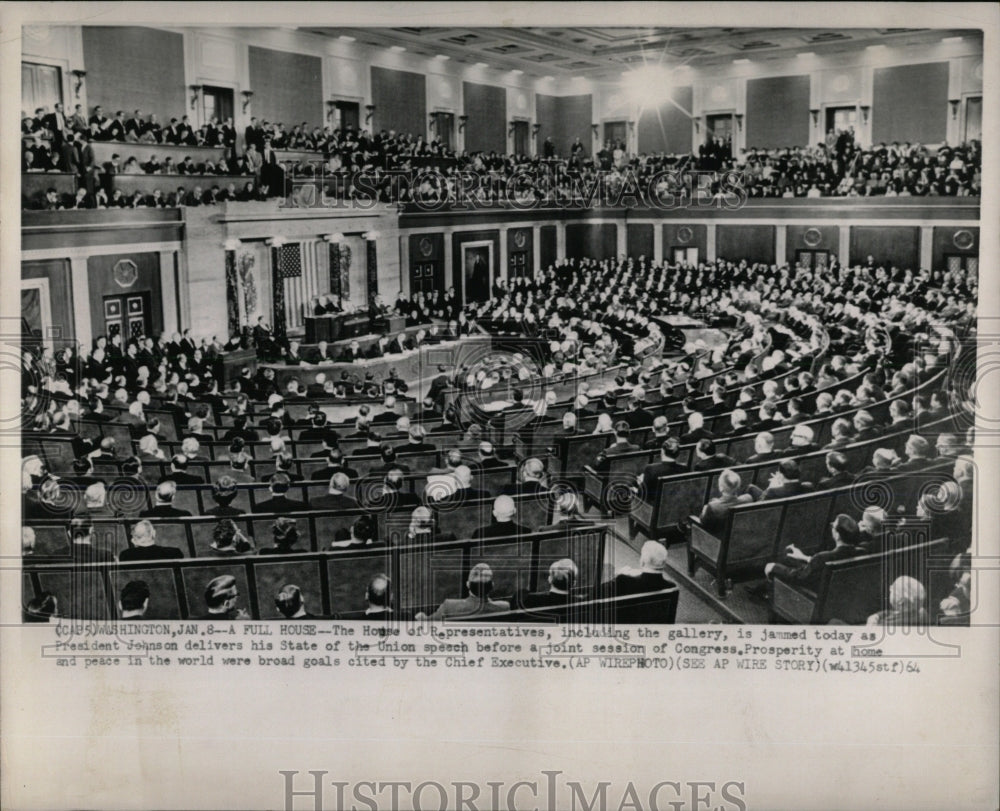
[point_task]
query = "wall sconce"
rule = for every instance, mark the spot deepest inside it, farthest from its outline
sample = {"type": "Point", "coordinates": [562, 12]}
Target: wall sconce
{"type": "Point", "coordinates": [330, 107]}
{"type": "Point", "coordinates": [462, 121]}
{"type": "Point", "coordinates": [596, 128]}
{"type": "Point", "coordinates": [697, 125]}
{"type": "Point", "coordinates": [815, 115]}
{"type": "Point", "coordinates": [865, 109]}
{"type": "Point", "coordinates": [369, 112]}
{"type": "Point", "coordinates": [534, 129]}
{"type": "Point", "coordinates": [78, 75]}
{"type": "Point", "coordinates": [510, 128]}
{"type": "Point", "coordinates": [195, 94]}
{"type": "Point", "coordinates": [433, 123]}
{"type": "Point", "coordinates": [631, 126]}
{"type": "Point", "coordinates": [370, 236]}
{"type": "Point", "coordinates": [954, 107]}
{"type": "Point", "coordinates": [247, 95]}
{"type": "Point", "coordinates": [739, 120]}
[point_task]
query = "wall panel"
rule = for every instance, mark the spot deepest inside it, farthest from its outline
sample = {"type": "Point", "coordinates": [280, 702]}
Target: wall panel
{"type": "Point", "coordinates": [777, 112]}
{"type": "Point", "coordinates": [131, 68]}
{"type": "Point", "coordinates": [897, 246]}
{"type": "Point", "coordinates": [400, 99]}
{"type": "Point", "coordinates": [755, 243]}
{"type": "Point", "coordinates": [639, 240]}
{"type": "Point", "coordinates": [910, 103]}
{"type": "Point", "coordinates": [57, 271]}
{"type": "Point", "coordinates": [949, 240]}
{"type": "Point", "coordinates": [287, 87]}
{"type": "Point", "coordinates": [678, 235]}
{"type": "Point", "coordinates": [102, 283]}
{"type": "Point", "coordinates": [486, 107]}
{"type": "Point", "coordinates": [547, 241]}
{"type": "Point", "coordinates": [593, 240]}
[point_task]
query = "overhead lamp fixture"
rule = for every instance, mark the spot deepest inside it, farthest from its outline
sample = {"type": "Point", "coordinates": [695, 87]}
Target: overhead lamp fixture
{"type": "Point", "coordinates": [397, 48]}
{"type": "Point", "coordinates": [442, 57]}
{"type": "Point", "coordinates": [952, 39]}
{"type": "Point", "coordinates": [346, 38]}
{"type": "Point", "coordinates": [805, 54]}
{"type": "Point", "coordinates": [247, 95]}
{"type": "Point", "coordinates": [742, 61]}
{"type": "Point", "coordinates": [481, 65]}
{"type": "Point", "coordinates": [369, 112]}
{"type": "Point", "coordinates": [517, 71]}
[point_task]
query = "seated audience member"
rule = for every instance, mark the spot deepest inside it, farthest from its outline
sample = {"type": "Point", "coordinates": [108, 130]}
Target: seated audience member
{"type": "Point", "coordinates": [530, 479]}
{"type": "Point", "coordinates": [389, 461]}
{"type": "Point", "coordinates": [763, 448]}
{"type": "Point", "coordinates": [873, 533]}
{"type": "Point", "coordinates": [279, 501]}
{"type": "Point", "coordinates": [959, 602]}
{"type": "Point", "coordinates": [696, 429]}
{"type": "Point", "coordinates": [163, 503]}
{"type": "Point", "coordinates": [801, 569]}
{"type": "Point", "coordinates": [918, 454]}
{"type": "Point", "coordinates": [949, 446]}
{"type": "Point", "coordinates": [785, 482]}
{"type": "Point", "coordinates": [661, 429]}
{"type": "Point", "coordinates": [149, 449]}
{"type": "Point", "coordinates": [284, 463]}
{"type": "Point", "coordinates": [335, 463]}
{"type": "Point", "coordinates": [907, 605]}
{"type": "Point", "coordinates": [336, 497]}
{"type": "Point", "coordinates": [144, 547]}
{"type": "Point", "coordinates": [178, 472]}
{"type": "Point", "coordinates": [286, 535]}
{"type": "Point", "coordinates": [392, 495]}
{"type": "Point", "coordinates": [133, 600]}
{"type": "Point", "coordinates": [714, 514]}
{"type": "Point", "coordinates": [83, 474]}
{"type": "Point", "coordinates": [841, 434]}
{"type": "Point", "coordinates": [43, 607]}
{"type": "Point", "coordinates": [487, 457]}
{"type": "Point", "coordinates": [221, 595]}
{"type": "Point", "coordinates": [604, 424]}
{"type": "Point", "coordinates": [617, 448]}
{"type": "Point", "coordinates": [378, 597]}
{"type": "Point", "coordinates": [362, 532]}
{"type": "Point", "coordinates": [739, 423]}
{"type": "Point", "coordinates": [837, 473]}
{"type": "Point", "coordinates": [241, 430]}
{"type": "Point", "coordinates": [416, 442]}
{"type": "Point", "coordinates": [239, 468]}
{"type": "Point", "coordinates": [801, 441]}
{"type": "Point", "coordinates": [666, 465]}
{"type": "Point", "coordinates": [464, 491]}
{"type": "Point", "coordinates": [227, 540]}
{"type": "Point", "coordinates": [766, 417]}
{"type": "Point", "coordinates": [884, 460]}
{"type": "Point", "coordinates": [650, 576]}
{"type": "Point", "coordinates": [480, 586]}
{"type": "Point", "coordinates": [503, 524]}
{"type": "Point", "coordinates": [318, 429]}
{"type": "Point", "coordinates": [224, 492]}
{"type": "Point", "coordinates": [566, 514]}
{"type": "Point", "coordinates": [865, 427]}
{"type": "Point", "coordinates": [291, 604]}
{"type": "Point", "coordinates": [562, 578]}
{"type": "Point", "coordinates": [372, 447]}
{"type": "Point", "coordinates": [81, 537]}
{"type": "Point", "coordinates": [707, 458]}
{"type": "Point", "coordinates": [423, 529]}
{"type": "Point", "coordinates": [190, 448]}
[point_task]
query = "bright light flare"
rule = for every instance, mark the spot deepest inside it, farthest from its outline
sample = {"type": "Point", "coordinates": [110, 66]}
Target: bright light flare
{"type": "Point", "coordinates": [648, 86]}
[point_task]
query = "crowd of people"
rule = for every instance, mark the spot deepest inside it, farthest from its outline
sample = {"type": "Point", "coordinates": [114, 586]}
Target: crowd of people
{"type": "Point", "coordinates": [406, 168]}
{"type": "Point", "coordinates": [880, 322]}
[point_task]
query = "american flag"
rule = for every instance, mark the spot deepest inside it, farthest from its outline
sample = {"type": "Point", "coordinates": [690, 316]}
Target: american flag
{"type": "Point", "coordinates": [289, 261]}
{"type": "Point", "coordinates": [309, 277]}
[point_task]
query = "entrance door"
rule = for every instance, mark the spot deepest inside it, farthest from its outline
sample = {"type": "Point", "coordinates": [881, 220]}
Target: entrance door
{"type": "Point", "coordinates": [128, 315]}
{"type": "Point", "coordinates": [444, 129]}
{"type": "Point", "coordinates": [520, 137]}
{"type": "Point", "coordinates": [517, 264]}
{"type": "Point", "coordinates": [218, 102]}
{"type": "Point", "coordinates": [346, 115]}
{"type": "Point", "coordinates": [813, 260]}
{"type": "Point", "coordinates": [425, 277]}
{"type": "Point", "coordinates": [841, 118]}
{"type": "Point", "coordinates": [614, 131]}
{"type": "Point", "coordinates": [41, 86]}
{"type": "Point", "coordinates": [974, 118]}
{"type": "Point", "coordinates": [684, 256]}
{"type": "Point", "coordinates": [719, 126]}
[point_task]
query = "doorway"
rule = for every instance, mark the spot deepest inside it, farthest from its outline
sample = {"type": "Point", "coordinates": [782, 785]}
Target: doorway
{"type": "Point", "coordinates": [973, 118]}
{"type": "Point", "coordinates": [684, 256]}
{"type": "Point", "coordinates": [841, 118]}
{"type": "Point", "coordinates": [615, 132]}
{"type": "Point", "coordinates": [127, 315]}
{"type": "Point", "coordinates": [520, 137]}
{"type": "Point", "coordinates": [444, 129]}
{"type": "Point", "coordinates": [346, 115]}
{"type": "Point", "coordinates": [426, 277]}
{"type": "Point", "coordinates": [813, 260]}
{"type": "Point", "coordinates": [719, 126]}
{"type": "Point", "coordinates": [217, 102]}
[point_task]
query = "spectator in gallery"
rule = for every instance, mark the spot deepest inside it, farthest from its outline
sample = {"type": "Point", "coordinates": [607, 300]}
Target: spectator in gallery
{"type": "Point", "coordinates": [798, 568]}
{"type": "Point", "coordinates": [503, 524]}
{"type": "Point", "coordinates": [221, 595]}
{"type": "Point", "coordinates": [143, 546]}
{"type": "Point", "coordinates": [649, 576]}
{"type": "Point", "coordinates": [378, 600]}
{"type": "Point", "coordinates": [562, 578]}
{"type": "Point", "coordinates": [291, 604]}
{"type": "Point", "coordinates": [286, 536]}
{"type": "Point", "coordinates": [228, 540]}
{"type": "Point", "coordinates": [907, 605]}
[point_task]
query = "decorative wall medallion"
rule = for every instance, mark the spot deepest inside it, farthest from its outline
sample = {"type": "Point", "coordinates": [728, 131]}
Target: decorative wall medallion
{"type": "Point", "coordinates": [963, 240]}
{"type": "Point", "coordinates": [520, 239]}
{"type": "Point", "coordinates": [684, 234]}
{"type": "Point", "coordinates": [125, 272]}
{"type": "Point", "coordinates": [426, 246]}
{"type": "Point", "coordinates": [812, 237]}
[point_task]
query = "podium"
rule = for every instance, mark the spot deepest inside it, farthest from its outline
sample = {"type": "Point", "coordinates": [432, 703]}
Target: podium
{"type": "Point", "coordinates": [335, 327]}
{"type": "Point", "coordinates": [229, 364]}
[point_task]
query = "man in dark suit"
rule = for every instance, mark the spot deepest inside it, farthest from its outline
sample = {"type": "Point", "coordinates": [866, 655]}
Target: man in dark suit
{"type": "Point", "coordinates": [291, 604]}
{"type": "Point", "coordinates": [55, 122]}
{"type": "Point", "coordinates": [416, 442]}
{"type": "Point", "coordinates": [335, 464]}
{"type": "Point", "coordinates": [83, 475]}
{"type": "Point", "coordinates": [637, 417]}
{"type": "Point", "coordinates": [650, 576]}
{"type": "Point", "coordinates": [163, 505]}
{"type": "Point", "coordinates": [918, 454]}
{"type": "Point", "coordinates": [807, 570]}
{"type": "Point", "coordinates": [785, 482]}
{"type": "Point", "coordinates": [487, 457]}
{"type": "Point", "coordinates": [801, 441]}
{"type": "Point", "coordinates": [144, 547]}
{"type": "Point", "coordinates": [718, 405]}
{"type": "Point", "coordinates": [378, 596]}
{"type": "Point", "coordinates": [81, 532]}
{"type": "Point", "coordinates": [763, 446]}
{"type": "Point", "coordinates": [503, 524]}
{"type": "Point", "coordinates": [178, 472]}
{"type": "Point", "coordinates": [336, 497]}
{"type": "Point", "coordinates": [562, 578]}
{"type": "Point", "coordinates": [707, 458]}
{"type": "Point", "coordinates": [766, 420]}
{"type": "Point", "coordinates": [617, 448]}
{"type": "Point", "coordinates": [480, 586]}
{"type": "Point", "coordinates": [464, 491]}
{"type": "Point", "coordinates": [865, 426]}
{"type": "Point", "coordinates": [661, 430]}
{"type": "Point", "coordinates": [714, 514]}
{"type": "Point", "coordinates": [279, 501]}
{"type": "Point", "coordinates": [667, 465]}
{"type": "Point", "coordinates": [696, 429]}
{"type": "Point", "coordinates": [390, 415]}
{"type": "Point", "coordinates": [352, 353]}
{"type": "Point", "coordinates": [530, 479]}
{"type": "Point", "coordinates": [839, 475]}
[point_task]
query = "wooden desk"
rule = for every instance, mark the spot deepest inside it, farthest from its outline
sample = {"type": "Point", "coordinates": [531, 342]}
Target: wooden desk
{"type": "Point", "coordinates": [103, 150]}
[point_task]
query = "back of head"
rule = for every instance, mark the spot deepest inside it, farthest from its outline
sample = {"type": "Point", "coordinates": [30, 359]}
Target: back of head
{"type": "Point", "coordinates": [729, 482]}
{"type": "Point", "coordinates": [378, 593]}
{"type": "Point", "coordinates": [288, 600]}
{"type": "Point", "coordinates": [563, 574]}
{"type": "Point", "coordinates": [463, 475]}
{"type": "Point", "coordinates": [789, 469]}
{"type": "Point", "coordinates": [846, 528]}
{"type": "Point", "coordinates": [165, 491]}
{"type": "Point", "coordinates": [653, 556]}
{"type": "Point", "coordinates": [280, 483]}
{"type": "Point", "coordinates": [134, 595]}
{"type": "Point", "coordinates": [836, 461]}
{"type": "Point", "coordinates": [706, 447]}
{"type": "Point", "coordinates": [480, 580]}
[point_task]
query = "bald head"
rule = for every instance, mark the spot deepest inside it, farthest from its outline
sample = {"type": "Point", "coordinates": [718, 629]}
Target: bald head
{"type": "Point", "coordinates": [504, 509]}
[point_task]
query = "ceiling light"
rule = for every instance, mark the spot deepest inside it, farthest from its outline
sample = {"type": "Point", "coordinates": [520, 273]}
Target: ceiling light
{"type": "Point", "coordinates": [481, 65]}
{"type": "Point", "coordinates": [442, 57]}
{"type": "Point", "coordinates": [806, 53]}
{"type": "Point", "coordinates": [517, 71]}
{"type": "Point", "coordinates": [550, 78]}
{"type": "Point", "coordinates": [743, 61]}
{"type": "Point", "coordinates": [952, 39]}
{"type": "Point", "coordinates": [874, 47]}
{"type": "Point", "coordinates": [345, 38]}
{"type": "Point", "coordinates": [397, 49]}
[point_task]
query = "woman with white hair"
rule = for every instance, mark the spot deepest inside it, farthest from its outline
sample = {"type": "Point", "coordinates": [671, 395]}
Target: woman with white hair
{"type": "Point", "coordinates": [32, 471]}
{"type": "Point", "coordinates": [907, 605]}
{"type": "Point", "coordinates": [604, 424]}
{"type": "Point", "coordinates": [149, 448]}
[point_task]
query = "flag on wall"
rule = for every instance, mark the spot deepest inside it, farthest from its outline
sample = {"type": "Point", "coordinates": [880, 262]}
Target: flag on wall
{"type": "Point", "coordinates": [290, 261]}
{"type": "Point", "coordinates": [309, 278]}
